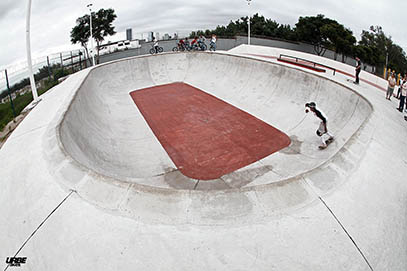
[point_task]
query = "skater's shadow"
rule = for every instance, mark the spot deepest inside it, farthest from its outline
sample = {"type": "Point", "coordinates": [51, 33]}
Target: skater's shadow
{"type": "Point", "coordinates": [295, 146]}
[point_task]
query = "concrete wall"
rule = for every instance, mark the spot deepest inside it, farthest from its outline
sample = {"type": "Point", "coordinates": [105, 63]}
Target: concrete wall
{"type": "Point", "coordinates": [227, 44]}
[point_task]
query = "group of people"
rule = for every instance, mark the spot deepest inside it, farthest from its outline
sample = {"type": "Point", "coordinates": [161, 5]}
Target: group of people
{"type": "Point", "coordinates": [197, 43]}
{"type": "Point", "coordinates": [402, 91]}
{"type": "Point", "coordinates": [392, 83]}
{"type": "Point", "coordinates": [322, 131]}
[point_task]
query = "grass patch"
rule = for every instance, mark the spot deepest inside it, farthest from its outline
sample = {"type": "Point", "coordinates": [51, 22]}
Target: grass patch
{"type": "Point", "coordinates": [20, 102]}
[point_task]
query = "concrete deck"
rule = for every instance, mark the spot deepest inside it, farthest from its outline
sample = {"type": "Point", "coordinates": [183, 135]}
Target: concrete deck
{"type": "Point", "coordinates": [75, 196]}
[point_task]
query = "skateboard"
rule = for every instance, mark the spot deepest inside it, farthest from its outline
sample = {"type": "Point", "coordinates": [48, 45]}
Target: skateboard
{"type": "Point", "coordinates": [327, 142]}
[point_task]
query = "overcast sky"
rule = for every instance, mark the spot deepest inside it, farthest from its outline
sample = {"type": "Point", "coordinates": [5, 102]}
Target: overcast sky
{"type": "Point", "coordinates": [52, 21]}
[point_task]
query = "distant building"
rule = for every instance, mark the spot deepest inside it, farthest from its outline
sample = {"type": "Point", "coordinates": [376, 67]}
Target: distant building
{"type": "Point", "coordinates": [129, 34]}
{"type": "Point", "coordinates": [166, 36]}
{"type": "Point", "coordinates": [150, 36]}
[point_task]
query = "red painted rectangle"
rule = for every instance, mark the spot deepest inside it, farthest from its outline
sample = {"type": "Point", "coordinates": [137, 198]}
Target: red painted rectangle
{"type": "Point", "coordinates": [205, 137]}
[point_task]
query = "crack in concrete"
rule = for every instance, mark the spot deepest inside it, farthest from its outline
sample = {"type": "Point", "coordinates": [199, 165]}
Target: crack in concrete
{"type": "Point", "coordinates": [196, 185]}
{"type": "Point", "coordinates": [40, 225]}
{"type": "Point", "coordinates": [347, 233]}
{"type": "Point", "coordinates": [339, 222]}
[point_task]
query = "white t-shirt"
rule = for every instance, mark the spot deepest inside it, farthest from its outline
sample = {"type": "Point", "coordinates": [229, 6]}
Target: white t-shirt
{"type": "Point", "coordinates": [404, 88]}
{"type": "Point", "coordinates": [392, 82]}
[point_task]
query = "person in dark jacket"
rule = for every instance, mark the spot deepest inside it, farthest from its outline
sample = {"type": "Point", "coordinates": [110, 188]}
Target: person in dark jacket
{"type": "Point", "coordinates": [357, 70]}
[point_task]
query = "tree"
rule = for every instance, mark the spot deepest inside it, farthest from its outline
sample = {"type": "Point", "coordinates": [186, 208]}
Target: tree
{"type": "Point", "coordinates": [310, 29]}
{"type": "Point", "coordinates": [323, 33]}
{"type": "Point", "coordinates": [259, 25]}
{"type": "Point", "coordinates": [81, 32]}
{"type": "Point", "coordinates": [381, 50]}
{"type": "Point", "coordinates": [102, 26]}
{"type": "Point", "coordinates": [338, 38]}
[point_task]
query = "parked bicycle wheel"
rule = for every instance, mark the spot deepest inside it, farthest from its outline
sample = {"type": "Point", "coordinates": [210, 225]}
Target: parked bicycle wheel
{"type": "Point", "coordinates": [160, 49]}
{"type": "Point", "coordinates": [152, 51]}
{"type": "Point", "coordinates": [175, 49]}
{"type": "Point", "coordinates": [204, 47]}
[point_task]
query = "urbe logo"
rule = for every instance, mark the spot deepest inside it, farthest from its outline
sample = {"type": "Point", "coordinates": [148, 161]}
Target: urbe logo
{"type": "Point", "coordinates": [16, 261]}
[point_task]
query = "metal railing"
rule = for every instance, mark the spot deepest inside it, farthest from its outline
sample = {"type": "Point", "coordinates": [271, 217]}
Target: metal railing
{"type": "Point", "coordinates": [314, 64]}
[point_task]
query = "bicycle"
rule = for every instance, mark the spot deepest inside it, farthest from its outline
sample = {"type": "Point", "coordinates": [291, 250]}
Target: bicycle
{"type": "Point", "coordinates": [202, 46]}
{"type": "Point", "coordinates": [153, 51]}
{"type": "Point", "coordinates": [199, 47]}
{"type": "Point", "coordinates": [179, 48]}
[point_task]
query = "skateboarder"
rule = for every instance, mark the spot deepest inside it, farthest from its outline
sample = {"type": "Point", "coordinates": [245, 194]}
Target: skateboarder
{"type": "Point", "coordinates": [322, 130]}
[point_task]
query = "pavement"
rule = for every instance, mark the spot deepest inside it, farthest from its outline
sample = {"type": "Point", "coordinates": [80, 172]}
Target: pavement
{"type": "Point", "coordinates": [87, 184]}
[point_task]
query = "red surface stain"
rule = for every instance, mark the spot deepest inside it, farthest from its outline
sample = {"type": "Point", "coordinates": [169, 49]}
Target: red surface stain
{"type": "Point", "coordinates": [205, 137]}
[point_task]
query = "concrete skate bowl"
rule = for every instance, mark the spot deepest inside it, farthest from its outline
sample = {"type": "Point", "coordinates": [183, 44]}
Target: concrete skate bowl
{"type": "Point", "coordinates": [106, 135]}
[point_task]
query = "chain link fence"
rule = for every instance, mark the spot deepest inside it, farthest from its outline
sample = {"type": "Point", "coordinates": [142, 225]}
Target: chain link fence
{"type": "Point", "coordinates": [15, 88]}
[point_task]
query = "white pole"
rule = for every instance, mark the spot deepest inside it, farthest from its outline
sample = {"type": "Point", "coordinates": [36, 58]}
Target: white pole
{"type": "Point", "coordinates": [91, 35]}
{"type": "Point", "coordinates": [28, 47]}
{"type": "Point", "coordinates": [248, 23]}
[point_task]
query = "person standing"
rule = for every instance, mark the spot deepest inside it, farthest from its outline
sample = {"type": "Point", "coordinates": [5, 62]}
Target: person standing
{"type": "Point", "coordinates": [391, 85]}
{"type": "Point", "coordinates": [213, 42]}
{"type": "Point", "coordinates": [403, 93]}
{"type": "Point", "coordinates": [357, 70]}
{"type": "Point", "coordinates": [399, 83]}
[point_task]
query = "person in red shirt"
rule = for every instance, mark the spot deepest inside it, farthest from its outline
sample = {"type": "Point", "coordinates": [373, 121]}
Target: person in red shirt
{"type": "Point", "coordinates": [181, 44]}
{"type": "Point", "coordinates": [194, 42]}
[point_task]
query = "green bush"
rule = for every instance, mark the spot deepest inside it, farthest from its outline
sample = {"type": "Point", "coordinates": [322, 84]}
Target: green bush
{"type": "Point", "coordinates": [20, 102]}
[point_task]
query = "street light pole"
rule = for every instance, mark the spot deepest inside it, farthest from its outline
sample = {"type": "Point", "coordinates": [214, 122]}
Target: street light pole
{"type": "Point", "coordinates": [248, 23]}
{"type": "Point", "coordinates": [91, 34]}
{"type": "Point", "coordinates": [29, 60]}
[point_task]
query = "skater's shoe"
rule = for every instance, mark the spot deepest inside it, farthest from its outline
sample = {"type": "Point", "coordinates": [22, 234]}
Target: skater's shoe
{"type": "Point", "coordinates": [322, 147]}
{"type": "Point", "coordinates": [329, 140]}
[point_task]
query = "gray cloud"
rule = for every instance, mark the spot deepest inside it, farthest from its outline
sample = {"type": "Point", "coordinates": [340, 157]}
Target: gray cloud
{"type": "Point", "coordinates": [7, 6]}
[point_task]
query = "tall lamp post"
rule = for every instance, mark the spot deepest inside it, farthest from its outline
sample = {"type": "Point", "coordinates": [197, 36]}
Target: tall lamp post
{"type": "Point", "coordinates": [91, 33]}
{"type": "Point", "coordinates": [29, 60]}
{"type": "Point", "coordinates": [248, 23]}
